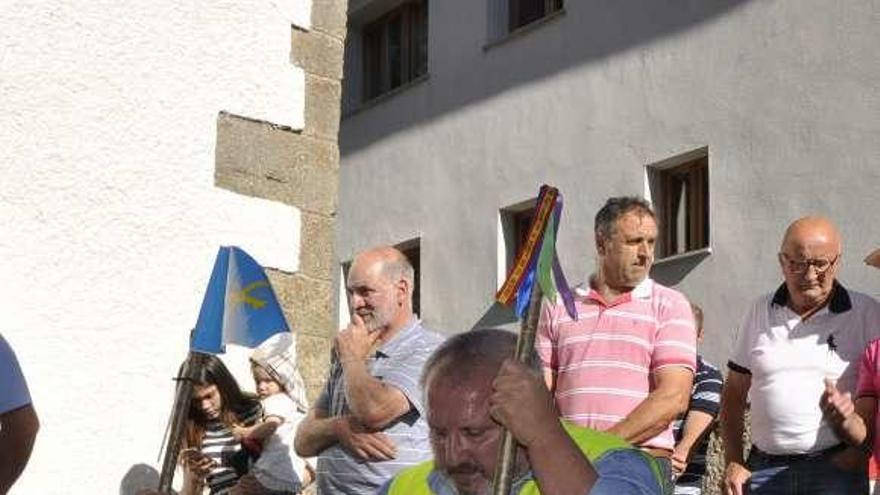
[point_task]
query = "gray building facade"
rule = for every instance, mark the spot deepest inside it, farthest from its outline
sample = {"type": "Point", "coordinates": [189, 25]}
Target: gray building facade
{"type": "Point", "coordinates": [777, 103]}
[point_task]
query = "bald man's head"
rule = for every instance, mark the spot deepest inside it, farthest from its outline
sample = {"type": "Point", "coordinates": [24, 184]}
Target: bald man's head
{"type": "Point", "coordinates": [380, 286]}
{"type": "Point", "coordinates": [810, 258]}
{"type": "Point", "coordinates": [811, 230]}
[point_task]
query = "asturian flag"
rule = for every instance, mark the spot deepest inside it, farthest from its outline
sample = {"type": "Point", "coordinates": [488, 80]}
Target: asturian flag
{"type": "Point", "coordinates": [240, 306]}
{"type": "Point", "coordinates": [537, 261]}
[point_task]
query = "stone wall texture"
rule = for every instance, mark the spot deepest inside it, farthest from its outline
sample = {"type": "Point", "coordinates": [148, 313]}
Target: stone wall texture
{"type": "Point", "coordinates": [299, 168]}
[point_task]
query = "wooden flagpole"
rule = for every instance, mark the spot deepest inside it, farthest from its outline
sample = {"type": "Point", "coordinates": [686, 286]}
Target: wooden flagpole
{"type": "Point", "coordinates": [525, 343]}
{"type": "Point", "coordinates": [178, 421]}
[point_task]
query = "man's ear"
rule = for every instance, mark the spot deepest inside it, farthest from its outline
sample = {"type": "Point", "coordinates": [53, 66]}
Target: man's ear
{"type": "Point", "coordinates": [600, 243]}
{"type": "Point", "coordinates": [403, 289]}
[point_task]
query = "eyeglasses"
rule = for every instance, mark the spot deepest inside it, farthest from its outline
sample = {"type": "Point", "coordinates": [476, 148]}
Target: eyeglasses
{"type": "Point", "coordinates": [821, 265]}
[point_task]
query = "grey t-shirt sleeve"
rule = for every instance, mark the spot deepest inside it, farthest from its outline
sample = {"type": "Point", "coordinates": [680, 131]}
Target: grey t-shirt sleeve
{"type": "Point", "coordinates": [385, 488]}
{"type": "Point", "coordinates": [403, 373]}
{"type": "Point", "coordinates": [15, 392]}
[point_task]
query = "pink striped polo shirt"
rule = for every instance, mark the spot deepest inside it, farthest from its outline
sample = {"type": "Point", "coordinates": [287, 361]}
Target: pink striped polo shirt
{"type": "Point", "coordinates": [603, 362]}
{"type": "Point", "coordinates": [869, 386]}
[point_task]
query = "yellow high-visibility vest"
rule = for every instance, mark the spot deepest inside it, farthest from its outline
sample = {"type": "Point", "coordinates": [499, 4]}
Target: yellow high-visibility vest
{"type": "Point", "coordinates": [593, 444]}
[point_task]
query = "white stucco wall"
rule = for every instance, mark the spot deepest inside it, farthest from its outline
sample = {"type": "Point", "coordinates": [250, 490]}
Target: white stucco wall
{"type": "Point", "coordinates": [110, 220]}
{"type": "Point", "coordinates": [784, 93]}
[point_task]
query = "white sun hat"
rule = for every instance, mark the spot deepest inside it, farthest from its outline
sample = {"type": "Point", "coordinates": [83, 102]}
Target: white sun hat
{"type": "Point", "coordinates": [277, 355]}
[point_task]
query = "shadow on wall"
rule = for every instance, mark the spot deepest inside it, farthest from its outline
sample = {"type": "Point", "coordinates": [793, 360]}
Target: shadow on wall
{"type": "Point", "coordinates": [498, 316]}
{"type": "Point", "coordinates": [672, 272]}
{"type": "Point", "coordinates": [139, 477]}
{"type": "Point", "coordinates": [669, 273]}
{"type": "Point", "coordinates": [587, 32]}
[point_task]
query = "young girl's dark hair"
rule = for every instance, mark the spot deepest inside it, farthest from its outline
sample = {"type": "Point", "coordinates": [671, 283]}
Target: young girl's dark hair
{"type": "Point", "coordinates": [234, 404]}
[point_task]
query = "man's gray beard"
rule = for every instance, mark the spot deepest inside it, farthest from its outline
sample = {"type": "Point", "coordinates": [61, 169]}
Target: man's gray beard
{"type": "Point", "coordinates": [451, 489]}
{"type": "Point", "coordinates": [487, 491]}
{"type": "Point", "coordinates": [375, 322]}
{"type": "Point", "coordinates": [372, 325]}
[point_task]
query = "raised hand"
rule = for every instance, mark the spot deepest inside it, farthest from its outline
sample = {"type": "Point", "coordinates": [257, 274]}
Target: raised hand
{"type": "Point", "coordinates": [196, 462]}
{"type": "Point", "coordinates": [735, 476]}
{"type": "Point", "coordinates": [355, 342]}
{"type": "Point", "coordinates": [679, 461]}
{"type": "Point", "coordinates": [520, 401]}
{"type": "Point", "coordinates": [836, 407]}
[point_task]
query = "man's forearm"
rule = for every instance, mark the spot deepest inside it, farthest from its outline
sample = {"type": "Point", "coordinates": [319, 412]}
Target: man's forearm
{"type": "Point", "coordinates": [696, 426]}
{"type": "Point", "coordinates": [560, 467]}
{"type": "Point", "coordinates": [260, 431]}
{"type": "Point", "coordinates": [315, 435]}
{"type": "Point", "coordinates": [649, 419]}
{"type": "Point", "coordinates": [866, 410]}
{"type": "Point", "coordinates": [371, 401]}
{"type": "Point", "coordinates": [853, 431]}
{"type": "Point", "coordinates": [732, 425]}
{"type": "Point", "coordinates": [17, 436]}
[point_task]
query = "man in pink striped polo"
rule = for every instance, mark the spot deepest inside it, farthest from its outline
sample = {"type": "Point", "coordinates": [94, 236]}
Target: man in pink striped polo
{"type": "Point", "coordinates": [627, 364]}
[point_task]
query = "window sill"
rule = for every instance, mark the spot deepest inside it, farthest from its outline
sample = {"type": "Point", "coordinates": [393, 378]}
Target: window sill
{"type": "Point", "coordinates": [697, 253]}
{"type": "Point", "coordinates": [385, 96]}
{"type": "Point", "coordinates": [524, 30]}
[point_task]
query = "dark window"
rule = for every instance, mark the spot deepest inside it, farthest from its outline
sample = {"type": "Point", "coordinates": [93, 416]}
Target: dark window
{"type": "Point", "coordinates": [524, 12]}
{"type": "Point", "coordinates": [682, 201]}
{"type": "Point", "coordinates": [521, 222]}
{"type": "Point", "coordinates": [515, 223]}
{"type": "Point", "coordinates": [395, 48]}
{"type": "Point", "coordinates": [412, 251]}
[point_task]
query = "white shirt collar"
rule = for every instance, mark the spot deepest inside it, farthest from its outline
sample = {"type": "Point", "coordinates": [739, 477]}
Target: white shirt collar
{"type": "Point", "coordinates": [641, 291]}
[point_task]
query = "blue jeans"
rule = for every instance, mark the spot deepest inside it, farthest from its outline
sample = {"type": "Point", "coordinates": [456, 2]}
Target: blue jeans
{"type": "Point", "coordinates": [781, 475]}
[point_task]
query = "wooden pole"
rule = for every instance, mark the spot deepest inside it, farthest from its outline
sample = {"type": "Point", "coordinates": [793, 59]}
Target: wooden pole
{"type": "Point", "coordinates": [178, 421]}
{"type": "Point", "coordinates": [525, 344]}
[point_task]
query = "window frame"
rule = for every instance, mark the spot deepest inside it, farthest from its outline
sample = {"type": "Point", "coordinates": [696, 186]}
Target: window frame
{"type": "Point", "coordinates": [514, 13]}
{"type": "Point", "coordinates": [690, 172]}
{"type": "Point", "coordinates": [377, 68]}
{"type": "Point", "coordinates": [513, 227]}
{"type": "Point", "coordinates": [412, 249]}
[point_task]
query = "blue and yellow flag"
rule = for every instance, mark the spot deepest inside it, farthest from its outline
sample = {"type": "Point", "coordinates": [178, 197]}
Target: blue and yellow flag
{"type": "Point", "coordinates": [240, 306]}
{"type": "Point", "coordinates": [537, 261]}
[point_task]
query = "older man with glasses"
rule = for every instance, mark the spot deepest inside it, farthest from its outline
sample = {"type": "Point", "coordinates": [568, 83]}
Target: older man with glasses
{"type": "Point", "coordinates": [796, 358]}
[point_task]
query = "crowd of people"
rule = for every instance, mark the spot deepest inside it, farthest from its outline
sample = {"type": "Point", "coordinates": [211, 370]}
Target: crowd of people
{"type": "Point", "coordinates": [615, 399]}
{"type": "Point", "coordinates": [236, 443]}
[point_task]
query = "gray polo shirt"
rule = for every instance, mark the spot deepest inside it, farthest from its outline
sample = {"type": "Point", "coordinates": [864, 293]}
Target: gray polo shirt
{"type": "Point", "coordinates": [398, 363]}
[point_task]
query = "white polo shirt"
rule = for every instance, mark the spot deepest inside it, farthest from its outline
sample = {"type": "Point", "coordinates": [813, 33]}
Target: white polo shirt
{"type": "Point", "coordinates": [788, 359]}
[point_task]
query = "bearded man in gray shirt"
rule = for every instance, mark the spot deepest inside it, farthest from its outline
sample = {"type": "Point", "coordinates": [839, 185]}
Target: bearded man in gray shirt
{"type": "Point", "coordinates": [368, 422]}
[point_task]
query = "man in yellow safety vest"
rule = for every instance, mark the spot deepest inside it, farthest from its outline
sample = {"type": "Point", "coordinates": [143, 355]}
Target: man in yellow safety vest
{"type": "Point", "coordinates": [472, 390]}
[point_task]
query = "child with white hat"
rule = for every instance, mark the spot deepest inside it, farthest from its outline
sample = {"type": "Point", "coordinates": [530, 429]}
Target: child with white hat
{"type": "Point", "coordinates": [278, 471]}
